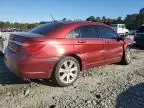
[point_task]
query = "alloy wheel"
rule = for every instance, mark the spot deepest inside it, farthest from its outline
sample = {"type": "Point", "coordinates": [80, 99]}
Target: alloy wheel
{"type": "Point", "coordinates": [68, 71]}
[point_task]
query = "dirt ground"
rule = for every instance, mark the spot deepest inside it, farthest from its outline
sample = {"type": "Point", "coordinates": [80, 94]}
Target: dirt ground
{"type": "Point", "coordinates": [110, 86]}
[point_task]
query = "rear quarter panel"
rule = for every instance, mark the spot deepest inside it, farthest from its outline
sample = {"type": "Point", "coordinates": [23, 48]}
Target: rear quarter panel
{"type": "Point", "coordinates": [56, 48]}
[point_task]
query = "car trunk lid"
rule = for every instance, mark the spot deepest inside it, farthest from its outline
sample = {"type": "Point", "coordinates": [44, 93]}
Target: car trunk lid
{"type": "Point", "coordinates": [17, 41]}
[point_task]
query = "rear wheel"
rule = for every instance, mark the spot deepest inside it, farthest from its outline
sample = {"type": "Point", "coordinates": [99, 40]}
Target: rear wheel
{"type": "Point", "coordinates": [66, 71]}
{"type": "Point", "coordinates": [126, 56]}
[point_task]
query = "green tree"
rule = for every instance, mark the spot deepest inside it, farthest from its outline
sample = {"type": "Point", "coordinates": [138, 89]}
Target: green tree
{"type": "Point", "coordinates": [91, 18]}
{"type": "Point", "coordinates": [141, 11]}
{"type": "Point", "coordinates": [64, 19]}
{"type": "Point", "coordinates": [7, 24]}
{"type": "Point", "coordinates": [104, 20]}
{"type": "Point", "coordinates": [140, 18]}
{"type": "Point", "coordinates": [131, 21]}
{"type": "Point", "coordinates": [119, 20]}
{"type": "Point", "coordinates": [1, 24]}
{"type": "Point", "coordinates": [98, 19]}
{"type": "Point", "coordinates": [43, 22]}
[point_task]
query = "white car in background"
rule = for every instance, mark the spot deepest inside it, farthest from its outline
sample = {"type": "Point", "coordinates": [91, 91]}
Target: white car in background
{"type": "Point", "coordinates": [1, 42]}
{"type": "Point", "coordinates": [120, 29]}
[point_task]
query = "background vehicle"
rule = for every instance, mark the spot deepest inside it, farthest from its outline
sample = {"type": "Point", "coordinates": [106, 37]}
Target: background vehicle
{"type": "Point", "coordinates": [59, 50]}
{"type": "Point", "coordinates": [1, 43]}
{"type": "Point", "coordinates": [139, 36]}
{"type": "Point", "coordinates": [120, 29]}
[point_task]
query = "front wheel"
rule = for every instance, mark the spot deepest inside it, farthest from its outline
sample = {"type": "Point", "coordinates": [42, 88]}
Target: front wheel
{"type": "Point", "coordinates": [126, 59]}
{"type": "Point", "coordinates": [66, 71]}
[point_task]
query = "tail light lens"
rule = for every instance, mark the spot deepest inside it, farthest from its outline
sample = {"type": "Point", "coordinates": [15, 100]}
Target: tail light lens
{"type": "Point", "coordinates": [33, 46]}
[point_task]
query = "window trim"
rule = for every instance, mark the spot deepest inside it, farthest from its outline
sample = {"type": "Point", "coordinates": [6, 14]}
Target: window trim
{"type": "Point", "coordinates": [97, 32]}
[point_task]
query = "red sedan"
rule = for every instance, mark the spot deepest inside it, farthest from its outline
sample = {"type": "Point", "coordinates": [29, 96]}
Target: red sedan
{"type": "Point", "coordinates": [60, 50]}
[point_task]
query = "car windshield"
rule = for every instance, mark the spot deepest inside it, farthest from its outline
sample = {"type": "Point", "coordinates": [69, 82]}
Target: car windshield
{"type": "Point", "coordinates": [44, 29]}
{"type": "Point", "coordinates": [141, 29]}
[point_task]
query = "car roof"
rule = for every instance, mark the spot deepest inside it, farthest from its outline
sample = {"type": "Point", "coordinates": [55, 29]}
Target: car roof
{"type": "Point", "coordinates": [78, 22]}
{"type": "Point", "coordinates": [81, 22]}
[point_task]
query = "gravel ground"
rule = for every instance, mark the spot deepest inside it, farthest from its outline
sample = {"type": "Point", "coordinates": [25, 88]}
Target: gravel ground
{"type": "Point", "coordinates": [110, 86]}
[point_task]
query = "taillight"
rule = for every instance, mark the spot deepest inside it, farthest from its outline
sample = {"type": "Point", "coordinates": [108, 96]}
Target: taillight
{"type": "Point", "coordinates": [33, 46]}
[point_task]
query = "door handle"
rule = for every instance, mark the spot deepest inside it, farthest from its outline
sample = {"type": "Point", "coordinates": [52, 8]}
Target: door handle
{"type": "Point", "coordinates": [81, 41]}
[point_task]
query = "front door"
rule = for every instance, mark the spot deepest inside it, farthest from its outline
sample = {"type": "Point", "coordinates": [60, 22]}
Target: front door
{"type": "Point", "coordinates": [88, 46]}
{"type": "Point", "coordinates": [113, 48]}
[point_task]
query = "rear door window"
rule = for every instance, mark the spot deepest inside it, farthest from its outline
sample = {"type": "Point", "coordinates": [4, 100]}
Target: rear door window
{"type": "Point", "coordinates": [89, 32]}
{"type": "Point", "coordinates": [74, 34]}
{"type": "Point", "coordinates": [84, 32]}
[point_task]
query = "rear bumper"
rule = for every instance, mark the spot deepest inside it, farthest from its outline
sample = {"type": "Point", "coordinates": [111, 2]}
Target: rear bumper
{"type": "Point", "coordinates": [31, 68]}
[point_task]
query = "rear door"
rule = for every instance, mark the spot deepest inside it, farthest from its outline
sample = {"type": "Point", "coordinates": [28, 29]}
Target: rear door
{"type": "Point", "coordinates": [113, 48]}
{"type": "Point", "coordinates": [88, 46]}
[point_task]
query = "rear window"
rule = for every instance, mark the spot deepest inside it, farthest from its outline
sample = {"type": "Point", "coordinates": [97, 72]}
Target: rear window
{"type": "Point", "coordinates": [141, 29]}
{"type": "Point", "coordinates": [44, 29]}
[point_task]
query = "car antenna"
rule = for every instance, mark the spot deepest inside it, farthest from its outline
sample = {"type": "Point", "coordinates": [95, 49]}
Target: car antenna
{"type": "Point", "coordinates": [52, 17]}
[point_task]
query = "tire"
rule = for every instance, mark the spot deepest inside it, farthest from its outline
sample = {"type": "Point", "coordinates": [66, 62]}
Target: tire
{"type": "Point", "coordinates": [126, 59]}
{"type": "Point", "coordinates": [66, 71]}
